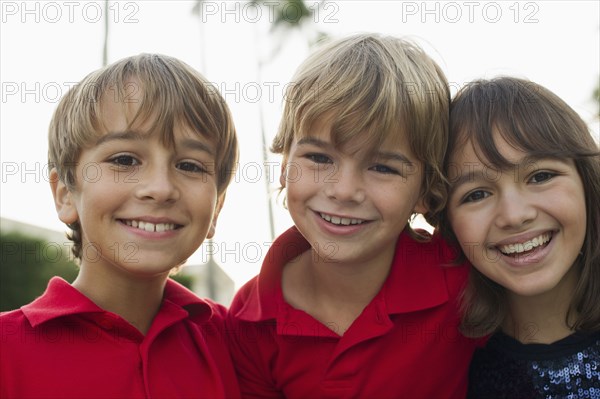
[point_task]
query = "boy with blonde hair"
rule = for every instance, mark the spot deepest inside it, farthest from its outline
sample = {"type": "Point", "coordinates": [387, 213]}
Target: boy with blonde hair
{"type": "Point", "coordinates": [141, 153]}
{"type": "Point", "coordinates": [351, 302]}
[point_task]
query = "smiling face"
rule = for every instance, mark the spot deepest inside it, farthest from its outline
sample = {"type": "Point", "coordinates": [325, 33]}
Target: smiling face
{"type": "Point", "coordinates": [523, 228]}
{"type": "Point", "coordinates": [350, 204]}
{"type": "Point", "coordinates": [144, 206]}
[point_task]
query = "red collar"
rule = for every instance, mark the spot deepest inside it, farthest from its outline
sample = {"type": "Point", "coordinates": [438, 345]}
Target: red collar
{"type": "Point", "coordinates": [62, 299]}
{"type": "Point", "coordinates": [417, 278]}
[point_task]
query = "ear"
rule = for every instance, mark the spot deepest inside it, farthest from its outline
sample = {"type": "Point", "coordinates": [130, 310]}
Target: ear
{"type": "Point", "coordinates": [283, 174]}
{"type": "Point", "coordinates": [213, 223]}
{"type": "Point", "coordinates": [63, 199]}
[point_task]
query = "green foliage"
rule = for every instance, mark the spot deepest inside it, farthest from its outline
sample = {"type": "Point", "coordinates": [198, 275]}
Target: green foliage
{"type": "Point", "coordinates": [26, 266]}
{"type": "Point", "coordinates": [290, 13]}
{"type": "Point", "coordinates": [184, 279]}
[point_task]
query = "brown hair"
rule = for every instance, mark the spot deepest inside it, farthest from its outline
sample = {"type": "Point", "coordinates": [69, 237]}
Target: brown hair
{"type": "Point", "coordinates": [172, 93]}
{"type": "Point", "coordinates": [536, 121]}
{"type": "Point", "coordinates": [373, 87]}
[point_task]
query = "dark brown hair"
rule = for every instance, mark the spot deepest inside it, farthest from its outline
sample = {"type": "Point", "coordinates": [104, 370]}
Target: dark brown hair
{"type": "Point", "coordinates": [534, 120]}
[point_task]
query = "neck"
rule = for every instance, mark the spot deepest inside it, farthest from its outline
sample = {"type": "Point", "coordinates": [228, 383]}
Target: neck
{"type": "Point", "coordinates": [542, 318]}
{"type": "Point", "coordinates": [135, 300]}
{"type": "Point", "coordinates": [334, 293]}
{"type": "Point", "coordinates": [348, 283]}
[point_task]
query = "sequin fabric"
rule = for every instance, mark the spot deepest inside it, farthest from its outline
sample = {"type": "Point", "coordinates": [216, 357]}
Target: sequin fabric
{"type": "Point", "coordinates": [566, 369]}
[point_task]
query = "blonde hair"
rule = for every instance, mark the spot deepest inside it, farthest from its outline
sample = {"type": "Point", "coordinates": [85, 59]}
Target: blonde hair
{"type": "Point", "coordinates": [171, 93]}
{"type": "Point", "coordinates": [373, 87]}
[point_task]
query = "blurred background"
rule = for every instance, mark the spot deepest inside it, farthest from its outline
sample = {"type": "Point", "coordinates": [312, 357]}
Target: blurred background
{"type": "Point", "coordinates": [249, 50]}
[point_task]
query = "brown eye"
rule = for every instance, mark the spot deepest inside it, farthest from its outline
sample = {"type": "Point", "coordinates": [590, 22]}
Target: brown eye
{"type": "Point", "coordinates": [384, 169]}
{"type": "Point", "coordinates": [319, 158]}
{"type": "Point", "coordinates": [190, 167]}
{"type": "Point", "coordinates": [541, 177]}
{"type": "Point", "coordinates": [124, 160]}
{"type": "Point", "coordinates": [475, 196]}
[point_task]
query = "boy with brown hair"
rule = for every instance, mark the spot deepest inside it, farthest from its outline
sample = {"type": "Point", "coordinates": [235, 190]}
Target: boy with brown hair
{"type": "Point", "coordinates": [141, 153]}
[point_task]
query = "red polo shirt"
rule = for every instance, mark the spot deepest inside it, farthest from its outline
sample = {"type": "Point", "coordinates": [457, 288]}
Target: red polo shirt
{"type": "Point", "coordinates": [405, 343]}
{"type": "Point", "coordinates": [62, 345]}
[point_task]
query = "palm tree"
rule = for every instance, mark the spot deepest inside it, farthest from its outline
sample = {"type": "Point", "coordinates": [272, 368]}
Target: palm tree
{"type": "Point", "coordinates": [283, 25]}
{"type": "Point", "coordinates": [596, 96]}
{"type": "Point", "coordinates": [197, 10]}
{"type": "Point", "coordinates": [211, 263]}
{"type": "Point", "coordinates": [106, 25]}
{"type": "Point", "coordinates": [285, 22]}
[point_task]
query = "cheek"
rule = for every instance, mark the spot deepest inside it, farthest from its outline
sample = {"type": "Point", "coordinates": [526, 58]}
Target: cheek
{"type": "Point", "coordinates": [300, 182]}
{"type": "Point", "coordinates": [464, 229]}
{"type": "Point", "coordinates": [294, 173]}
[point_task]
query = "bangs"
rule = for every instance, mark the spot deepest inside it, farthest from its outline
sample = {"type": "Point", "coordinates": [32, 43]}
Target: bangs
{"type": "Point", "coordinates": [167, 99]}
{"type": "Point", "coordinates": [353, 131]}
{"type": "Point", "coordinates": [361, 99]}
{"type": "Point", "coordinates": [527, 116]}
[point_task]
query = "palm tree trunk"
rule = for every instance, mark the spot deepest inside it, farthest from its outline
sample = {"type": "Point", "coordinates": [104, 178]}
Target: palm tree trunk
{"type": "Point", "coordinates": [105, 47]}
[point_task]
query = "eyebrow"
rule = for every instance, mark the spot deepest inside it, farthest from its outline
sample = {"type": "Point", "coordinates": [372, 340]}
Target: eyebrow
{"type": "Point", "coordinates": [129, 135]}
{"type": "Point", "coordinates": [394, 156]}
{"type": "Point", "coordinates": [197, 145]}
{"type": "Point", "coordinates": [314, 141]}
{"type": "Point", "coordinates": [469, 176]}
{"type": "Point", "coordinates": [386, 155]}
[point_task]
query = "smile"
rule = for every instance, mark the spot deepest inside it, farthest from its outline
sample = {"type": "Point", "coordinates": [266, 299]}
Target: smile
{"type": "Point", "coordinates": [341, 221]}
{"type": "Point", "coordinates": [151, 227]}
{"type": "Point", "coordinates": [519, 248]}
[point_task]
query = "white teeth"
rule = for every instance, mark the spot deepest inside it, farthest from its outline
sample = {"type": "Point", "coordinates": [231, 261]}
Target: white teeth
{"type": "Point", "coordinates": [151, 227]}
{"type": "Point", "coordinates": [525, 246]}
{"type": "Point", "coordinates": [342, 221]}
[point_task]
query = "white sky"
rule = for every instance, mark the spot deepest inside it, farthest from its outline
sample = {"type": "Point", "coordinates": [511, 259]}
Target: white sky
{"type": "Point", "coordinates": [47, 46]}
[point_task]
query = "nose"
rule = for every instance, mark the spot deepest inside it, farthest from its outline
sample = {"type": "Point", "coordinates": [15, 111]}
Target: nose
{"type": "Point", "coordinates": [157, 183]}
{"type": "Point", "coordinates": [515, 210]}
{"type": "Point", "coordinates": [345, 185]}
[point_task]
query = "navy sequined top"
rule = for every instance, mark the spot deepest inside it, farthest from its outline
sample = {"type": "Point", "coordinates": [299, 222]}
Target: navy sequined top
{"type": "Point", "coordinates": [566, 369]}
